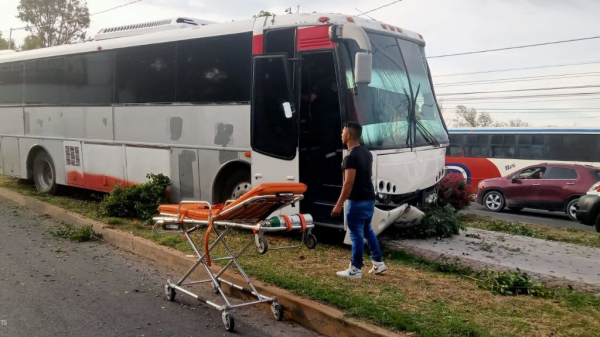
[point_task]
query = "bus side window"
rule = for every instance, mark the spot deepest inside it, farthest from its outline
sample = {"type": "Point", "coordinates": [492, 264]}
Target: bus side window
{"type": "Point", "coordinates": [273, 132]}
{"type": "Point", "coordinates": [145, 74]}
{"type": "Point", "coordinates": [281, 41]}
{"type": "Point", "coordinates": [478, 146]}
{"type": "Point", "coordinates": [503, 146]}
{"type": "Point", "coordinates": [531, 147]}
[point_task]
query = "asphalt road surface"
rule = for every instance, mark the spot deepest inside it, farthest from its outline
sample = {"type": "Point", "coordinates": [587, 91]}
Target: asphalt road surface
{"type": "Point", "coordinates": [555, 219]}
{"type": "Point", "coordinates": [53, 287]}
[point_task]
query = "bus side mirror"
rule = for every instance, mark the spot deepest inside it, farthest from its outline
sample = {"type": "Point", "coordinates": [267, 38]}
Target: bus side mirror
{"type": "Point", "coordinates": [363, 66]}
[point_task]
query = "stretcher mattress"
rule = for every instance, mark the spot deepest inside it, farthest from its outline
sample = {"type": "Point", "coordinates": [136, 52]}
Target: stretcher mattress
{"type": "Point", "coordinates": [232, 211]}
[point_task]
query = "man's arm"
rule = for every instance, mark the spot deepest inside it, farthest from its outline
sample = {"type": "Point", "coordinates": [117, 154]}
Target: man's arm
{"type": "Point", "coordinates": [349, 175]}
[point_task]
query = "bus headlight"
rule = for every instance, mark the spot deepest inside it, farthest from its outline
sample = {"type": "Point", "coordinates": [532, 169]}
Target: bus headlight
{"type": "Point", "coordinates": [595, 186]}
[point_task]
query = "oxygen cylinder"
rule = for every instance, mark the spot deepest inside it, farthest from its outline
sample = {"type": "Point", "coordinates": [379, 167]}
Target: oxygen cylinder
{"type": "Point", "coordinates": [279, 221]}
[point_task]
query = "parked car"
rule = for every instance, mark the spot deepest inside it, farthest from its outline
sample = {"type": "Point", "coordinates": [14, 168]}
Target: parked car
{"type": "Point", "coordinates": [552, 187]}
{"type": "Point", "coordinates": [588, 207]}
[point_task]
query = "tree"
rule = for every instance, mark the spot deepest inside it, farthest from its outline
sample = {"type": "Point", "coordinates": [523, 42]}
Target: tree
{"type": "Point", "coordinates": [262, 13]}
{"type": "Point", "coordinates": [55, 22]}
{"type": "Point", "coordinates": [518, 123]}
{"type": "Point", "coordinates": [4, 43]}
{"type": "Point", "coordinates": [471, 118]}
{"type": "Point", "coordinates": [32, 42]}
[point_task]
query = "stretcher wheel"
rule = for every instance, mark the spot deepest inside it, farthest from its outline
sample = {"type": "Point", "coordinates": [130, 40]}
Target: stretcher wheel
{"type": "Point", "coordinates": [170, 293]}
{"type": "Point", "coordinates": [262, 246]}
{"type": "Point", "coordinates": [277, 310]}
{"type": "Point", "coordinates": [228, 321]}
{"type": "Point", "coordinates": [310, 241]}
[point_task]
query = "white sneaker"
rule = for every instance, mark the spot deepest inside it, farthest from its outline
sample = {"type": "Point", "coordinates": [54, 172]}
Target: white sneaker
{"type": "Point", "coordinates": [378, 268]}
{"type": "Point", "coordinates": [351, 272]}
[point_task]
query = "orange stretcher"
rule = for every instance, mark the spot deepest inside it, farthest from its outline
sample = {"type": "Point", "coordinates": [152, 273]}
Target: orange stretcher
{"type": "Point", "coordinates": [253, 212]}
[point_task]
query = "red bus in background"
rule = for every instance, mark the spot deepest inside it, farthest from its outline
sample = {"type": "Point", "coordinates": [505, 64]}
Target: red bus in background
{"type": "Point", "coordinates": [484, 153]}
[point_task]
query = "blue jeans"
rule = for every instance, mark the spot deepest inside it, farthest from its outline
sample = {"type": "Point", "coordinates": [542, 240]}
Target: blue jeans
{"type": "Point", "coordinates": [358, 217]}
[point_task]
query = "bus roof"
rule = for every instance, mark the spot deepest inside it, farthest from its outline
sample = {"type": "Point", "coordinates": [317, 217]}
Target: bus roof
{"type": "Point", "coordinates": [278, 21]}
{"type": "Point", "coordinates": [524, 130]}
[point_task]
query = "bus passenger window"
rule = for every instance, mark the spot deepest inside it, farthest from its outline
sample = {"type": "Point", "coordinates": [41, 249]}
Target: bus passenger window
{"type": "Point", "coordinates": [214, 69]}
{"type": "Point", "coordinates": [11, 83]}
{"type": "Point", "coordinates": [454, 151]}
{"type": "Point", "coordinates": [145, 74]}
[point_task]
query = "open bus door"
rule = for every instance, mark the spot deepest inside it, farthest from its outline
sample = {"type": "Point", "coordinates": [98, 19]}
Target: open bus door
{"type": "Point", "coordinates": [274, 127]}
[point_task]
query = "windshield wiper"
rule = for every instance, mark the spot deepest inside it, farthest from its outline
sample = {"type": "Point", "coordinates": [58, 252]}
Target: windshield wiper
{"type": "Point", "coordinates": [429, 138]}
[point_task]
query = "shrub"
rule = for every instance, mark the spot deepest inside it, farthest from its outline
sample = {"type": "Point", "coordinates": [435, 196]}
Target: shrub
{"type": "Point", "coordinates": [138, 201]}
{"type": "Point", "coordinates": [454, 190]}
{"type": "Point", "coordinates": [510, 283]}
{"type": "Point", "coordinates": [439, 221]}
{"type": "Point", "coordinates": [81, 234]}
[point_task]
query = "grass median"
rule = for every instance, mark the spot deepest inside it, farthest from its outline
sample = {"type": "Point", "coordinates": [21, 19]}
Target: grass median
{"type": "Point", "coordinates": [415, 295]}
{"type": "Point", "coordinates": [559, 234]}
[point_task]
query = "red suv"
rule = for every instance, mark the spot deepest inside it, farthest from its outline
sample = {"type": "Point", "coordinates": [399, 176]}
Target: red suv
{"type": "Point", "coordinates": [552, 187]}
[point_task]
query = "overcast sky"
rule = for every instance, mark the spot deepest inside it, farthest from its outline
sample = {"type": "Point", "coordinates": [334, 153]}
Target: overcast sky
{"type": "Point", "coordinates": [449, 26]}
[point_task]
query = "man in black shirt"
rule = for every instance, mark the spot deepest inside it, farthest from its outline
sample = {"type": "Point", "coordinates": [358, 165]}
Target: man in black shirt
{"type": "Point", "coordinates": [358, 190]}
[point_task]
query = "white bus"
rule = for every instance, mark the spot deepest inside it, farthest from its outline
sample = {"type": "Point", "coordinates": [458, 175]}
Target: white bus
{"type": "Point", "coordinates": [221, 107]}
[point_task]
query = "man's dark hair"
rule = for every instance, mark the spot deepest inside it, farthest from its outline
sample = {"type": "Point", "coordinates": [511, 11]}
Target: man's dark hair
{"type": "Point", "coordinates": [355, 129]}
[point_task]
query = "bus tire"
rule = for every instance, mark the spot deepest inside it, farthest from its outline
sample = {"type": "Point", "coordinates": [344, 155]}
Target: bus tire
{"type": "Point", "coordinates": [597, 223]}
{"type": "Point", "coordinates": [571, 209]}
{"type": "Point", "coordinates": [236, 185]}
{"type": "Point", "coordinates": [44, 173]}
{"type": "Point", "coordinates": [494, 201]}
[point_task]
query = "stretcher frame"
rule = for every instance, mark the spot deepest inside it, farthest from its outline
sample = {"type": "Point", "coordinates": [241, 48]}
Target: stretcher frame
{"type": "Point", "coordinates": [171, 223]}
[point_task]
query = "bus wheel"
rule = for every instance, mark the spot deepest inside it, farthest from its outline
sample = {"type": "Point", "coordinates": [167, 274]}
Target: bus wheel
{"type": "Point", "coordinates": [598, 223]}
{"type": "Point", "coordinates": [236, 185]}
{"type": "Point", "coordinates": [44, 174]}
{"type": "Point", "coordinates": [571, 209]}
{"type": "Point", "coordinates": [494, 201]}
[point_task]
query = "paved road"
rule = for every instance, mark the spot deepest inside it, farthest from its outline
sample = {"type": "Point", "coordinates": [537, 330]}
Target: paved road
{"type": "Point", "coordinates": [53, 287]}
{"type": "Point", "coordinates": [555, 219]}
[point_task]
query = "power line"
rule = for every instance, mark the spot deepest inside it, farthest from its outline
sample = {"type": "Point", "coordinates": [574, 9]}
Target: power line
{"type": "Point", "coordinates": [90, 15]}
{"type": "Point", "coordinates": [516, 69]}
{"type": "Point", "coordinates": [519, 90]}
{"type": "Point", "coordinates": [536, 112]}
{"type": "Point", "coordinates": [363, 13]}
{"type": "Point", "coordinates": [378, 8]}
{"type": "Point", "coordinates": [110, 9]}
{"type": "Point", "coordinates": [518, 79]}
{"type": "Point", "coordinates": [518, 97]}
{"type": "Point", "coordinates": [537, 109]}
{"type": "Point", "coordinates": [536, 101]}
{"type": "Point", "coordinates": [515, 47]}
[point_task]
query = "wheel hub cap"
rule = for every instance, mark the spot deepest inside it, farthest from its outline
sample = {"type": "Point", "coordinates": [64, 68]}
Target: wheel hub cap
{"type": "Point", "coordinates": [493, 201]}
{"type": "Point", "coordinates": [240, 190]}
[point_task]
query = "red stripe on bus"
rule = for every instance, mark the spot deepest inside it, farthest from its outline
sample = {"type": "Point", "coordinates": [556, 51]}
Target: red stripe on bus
{"type": "Point", "coordinates": [257, 44]}
{"type": "Point", "coordinates": [481, 168]}
{"type": "Point", "coordinates": [98, 182]}
{"type": "Point", "coordinates": [314, 38]}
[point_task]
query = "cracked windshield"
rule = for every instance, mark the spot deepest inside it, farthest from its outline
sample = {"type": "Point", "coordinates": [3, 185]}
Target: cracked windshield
{"type": "Point", "coordinates": [384, 106]}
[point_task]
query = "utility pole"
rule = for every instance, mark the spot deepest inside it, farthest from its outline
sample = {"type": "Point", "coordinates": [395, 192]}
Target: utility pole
{"type": "Point", "coordinates": [10, 36]}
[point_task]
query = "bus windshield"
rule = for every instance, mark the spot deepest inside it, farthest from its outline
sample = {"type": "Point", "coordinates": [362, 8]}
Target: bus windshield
{"type": "Point", "coordinates": [400, 80]}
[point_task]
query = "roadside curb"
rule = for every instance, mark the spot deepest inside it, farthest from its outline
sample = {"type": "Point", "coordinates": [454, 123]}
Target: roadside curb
{"type": "Point", "coordinates": [310, 314]}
